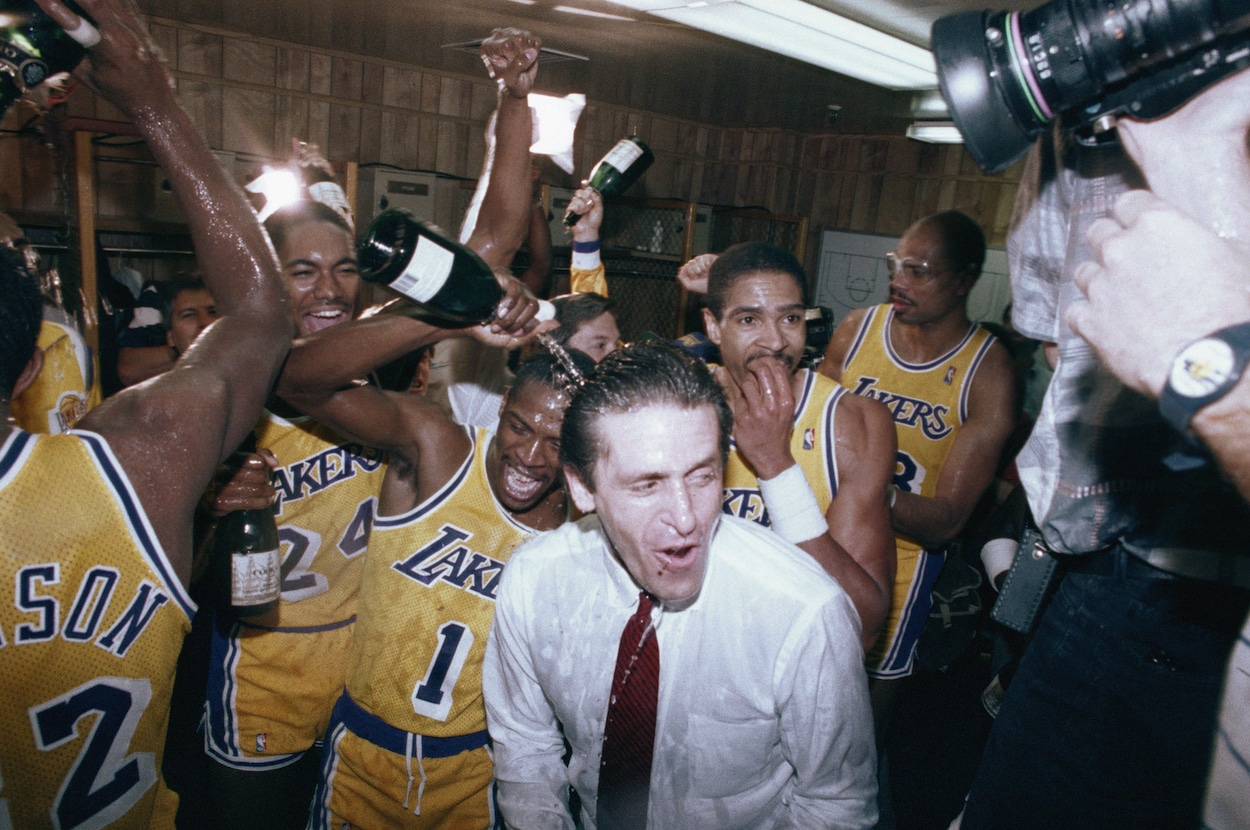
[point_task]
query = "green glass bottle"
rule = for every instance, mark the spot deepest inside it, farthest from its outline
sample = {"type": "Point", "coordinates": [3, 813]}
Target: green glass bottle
{"type": "Point", "coordinates": [628, 159]}
{"type": "Point", "coordinates": [249, 558]}
{"type": "Point", "coordinates": [447, 281]}
{"type": "Point", "coordinates": [32, 47]}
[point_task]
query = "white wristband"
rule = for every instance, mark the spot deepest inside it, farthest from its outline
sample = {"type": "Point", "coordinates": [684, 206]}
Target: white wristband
{"type": "Point", "coordinates": [792, 506]}
{"type": "Point", "coordinates": [997, 556]}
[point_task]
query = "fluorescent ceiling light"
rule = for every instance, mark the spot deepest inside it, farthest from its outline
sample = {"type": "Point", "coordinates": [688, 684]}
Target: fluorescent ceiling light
{"type": "Point", "coordinates": [807, 33]}
{"type": "Point", "coordinates": [935, 132]}
{"type": "Point", "coordinates": [589, 13]}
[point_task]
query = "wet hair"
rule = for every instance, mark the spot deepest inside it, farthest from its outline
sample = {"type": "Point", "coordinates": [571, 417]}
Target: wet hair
{"type": "Point", "coordinates": [750, 258]}
{"type": "Point", "coordinates": [288, 218]}
{"type": "Point", "coordinates": [21, 314]}
{"type": "Point", "coordinates": [632, 377]}
{"type": "Point", "coordinates": [547, 370]}
{"type": "Point", "coordinates": [963, 241]}
{"type": "Point", "coordinates": [572, 310]}
{"type": "Point", "coordinates": [182, 281]}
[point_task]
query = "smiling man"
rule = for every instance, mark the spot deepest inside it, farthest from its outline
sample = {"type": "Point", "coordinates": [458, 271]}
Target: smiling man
{"type": "Point", "coordinates": [351, 619]}
{"type": "Point", "coordinates": [760, 710]}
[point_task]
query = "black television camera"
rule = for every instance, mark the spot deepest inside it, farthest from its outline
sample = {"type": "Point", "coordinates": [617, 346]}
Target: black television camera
{"type": "Point", "coordinates": [1007, 75]}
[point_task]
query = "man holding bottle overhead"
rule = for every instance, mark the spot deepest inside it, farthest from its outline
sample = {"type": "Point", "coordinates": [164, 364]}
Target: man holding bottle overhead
{"type": "Point", "coordinates": [407, 745]}
{"type": "Point", "coordinates": [95, 526]}
{"type": "Point", "coordinates": [261, 727]}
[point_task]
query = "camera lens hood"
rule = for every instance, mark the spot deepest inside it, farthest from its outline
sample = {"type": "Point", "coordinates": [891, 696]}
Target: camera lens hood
{"type": "Point", "coordinates": [968, 76]}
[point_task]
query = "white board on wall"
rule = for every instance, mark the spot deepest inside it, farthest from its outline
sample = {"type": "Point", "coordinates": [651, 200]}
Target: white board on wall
{"type": "Point", "coordinates": [852, 274]}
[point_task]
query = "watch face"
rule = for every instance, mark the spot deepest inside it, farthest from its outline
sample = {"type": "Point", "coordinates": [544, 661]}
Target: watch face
{"type": "Point", "coordinates": [1202, 368]}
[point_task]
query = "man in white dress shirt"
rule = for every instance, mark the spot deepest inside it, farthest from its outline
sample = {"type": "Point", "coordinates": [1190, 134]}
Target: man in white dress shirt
{"type": "Point", "coordinates": [762, 714]}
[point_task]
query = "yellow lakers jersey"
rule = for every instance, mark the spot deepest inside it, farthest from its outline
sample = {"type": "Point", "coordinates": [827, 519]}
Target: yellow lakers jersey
{"type": "Point", "coordinates": [427, 602]}
{"type": "Point", "coordinates": [327, 496]}
{"type": "Point", "coordinates": [65, 389]}
{"type": "Point", "coordinates": [88, 640]}
{"type": "Point", "coordinates": [929, 401]}
{"type": "Point", "coordinates": [811, 444]}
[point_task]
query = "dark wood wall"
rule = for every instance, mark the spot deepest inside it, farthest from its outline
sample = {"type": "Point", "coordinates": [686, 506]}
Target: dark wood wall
{"type": "Point", "coordinates": [250, 95]}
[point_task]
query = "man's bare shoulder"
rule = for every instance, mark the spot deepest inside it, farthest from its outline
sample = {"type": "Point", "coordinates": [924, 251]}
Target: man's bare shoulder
{"type": "Point", "coordinates": [840, 342]}
{"type": "Point", "coordinates": [994, 382]}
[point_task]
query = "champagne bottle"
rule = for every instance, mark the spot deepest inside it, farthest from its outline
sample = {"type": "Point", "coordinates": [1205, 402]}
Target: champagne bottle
{"type": "Point", "coordinates": [32, 47]}
{"type": "Point", "coordinates": [628, 159]}
{"type": "Point", "coordinates": [249, 557]}
{"type": "Point", "coordinates": [448, 282]}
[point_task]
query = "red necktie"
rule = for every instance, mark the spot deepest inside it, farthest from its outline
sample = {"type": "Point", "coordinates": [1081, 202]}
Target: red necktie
{"type": "Point", "coordinates": [629, 734]}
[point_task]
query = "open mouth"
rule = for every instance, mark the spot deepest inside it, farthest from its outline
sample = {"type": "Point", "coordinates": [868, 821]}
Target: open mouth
{"type": "Point", "coordinates": [324, 319]}
{"type": "Point", "coordinates": [679, 558]}
{"type": "Point", "coordinates": [520, 485]}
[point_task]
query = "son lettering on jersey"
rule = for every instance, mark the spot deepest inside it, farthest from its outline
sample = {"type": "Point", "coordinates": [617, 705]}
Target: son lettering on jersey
{"type": "Point", "coordinates": [317, 472]}
{"type": "Point", "coordinates": [39, 609]}
{"type": "Point", "coordinates": [445, 559]}
{"type": "Point", "coordinates": [907, 411]}
{"type": "Point", "coordinates": [745, 503]}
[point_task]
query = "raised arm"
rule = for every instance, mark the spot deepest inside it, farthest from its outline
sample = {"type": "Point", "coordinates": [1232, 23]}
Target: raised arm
{"type": "Point", "coordinates": [170, 434]}
{"type": "Point", "coordinates": [537, 276]}
{"type": "Point", "coordinates": [322, 374]}
{"type": "Point", "coordinates": [969, 467]}
{"type": "Point", "coordinates": [586, 271]}
{"type": "Point", "coordinates": [502, 219]}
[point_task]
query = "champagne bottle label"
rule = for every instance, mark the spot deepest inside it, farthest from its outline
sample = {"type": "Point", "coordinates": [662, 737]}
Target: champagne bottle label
{"type": "Point", "coordinates": [427, 271]}
{"type": "Point", "coordinates": [624, 154]}
{"type": "Point", "coordinates": [30, 69]}
{"type": "Point", "coordinates": [332, 196]}
{"type": "Point", "coordinates": [254, 577]}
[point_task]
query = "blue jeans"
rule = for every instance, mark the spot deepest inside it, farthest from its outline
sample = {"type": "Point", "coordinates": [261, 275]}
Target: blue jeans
{"type": "Point", "coordinates": [1109, 719]}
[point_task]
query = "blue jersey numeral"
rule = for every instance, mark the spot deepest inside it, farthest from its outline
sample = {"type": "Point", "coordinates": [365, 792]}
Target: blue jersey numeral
{"type": "Point", "coordinates": [432, 696]}
{"type": "Point", "coordinates": [104, 782]}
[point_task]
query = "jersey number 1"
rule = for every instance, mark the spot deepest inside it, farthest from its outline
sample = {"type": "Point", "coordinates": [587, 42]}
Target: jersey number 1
{"type": "Point", "coordinates": [432, 696]}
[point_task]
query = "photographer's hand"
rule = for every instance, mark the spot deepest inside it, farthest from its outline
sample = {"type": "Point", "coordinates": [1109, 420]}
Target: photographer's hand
{"type": "Point", "coordinates": [1173, 266]}
{"type": "Point", "coordinates": [1160, 281]}
{"type": "Point", "coordinates": [1196, 158]}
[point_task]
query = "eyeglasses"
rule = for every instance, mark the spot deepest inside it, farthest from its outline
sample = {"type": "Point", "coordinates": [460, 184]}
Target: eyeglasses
{"type": "Point", "coordinates": [917, 270]}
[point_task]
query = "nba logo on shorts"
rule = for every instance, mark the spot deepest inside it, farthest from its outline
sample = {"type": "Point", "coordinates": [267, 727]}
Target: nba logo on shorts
{"type": "Point", "coordinates": [262, 741]}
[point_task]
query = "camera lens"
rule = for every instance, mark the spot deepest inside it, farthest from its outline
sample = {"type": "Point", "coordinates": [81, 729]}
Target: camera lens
{"type": "Point", "coordinates": [1007, 75]}
{"type": "Point", "coordinates": [968, 74]}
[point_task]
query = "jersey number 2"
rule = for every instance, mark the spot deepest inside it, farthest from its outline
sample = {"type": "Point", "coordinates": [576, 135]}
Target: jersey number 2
{"type": "Point", "coordinates": [104, 783]}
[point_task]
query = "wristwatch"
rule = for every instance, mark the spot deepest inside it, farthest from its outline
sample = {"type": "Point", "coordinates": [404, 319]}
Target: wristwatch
{"type": "Point", "coordinates": [1203, 372]}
